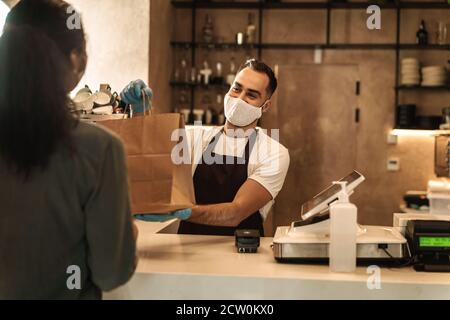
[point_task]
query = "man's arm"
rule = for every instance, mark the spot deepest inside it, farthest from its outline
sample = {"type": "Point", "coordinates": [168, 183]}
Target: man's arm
{"type": "Point", "coordinates": [251, 197]}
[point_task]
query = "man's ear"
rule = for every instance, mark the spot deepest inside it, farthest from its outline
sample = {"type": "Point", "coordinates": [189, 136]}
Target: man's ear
{"type": "Point", "coordinates": [267, 106]}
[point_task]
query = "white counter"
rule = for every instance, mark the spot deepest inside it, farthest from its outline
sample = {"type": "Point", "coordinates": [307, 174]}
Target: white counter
{"type": "Point", "coordinates": [208, 267]}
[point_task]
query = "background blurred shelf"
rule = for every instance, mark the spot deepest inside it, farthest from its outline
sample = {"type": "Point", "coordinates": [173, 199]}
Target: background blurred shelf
{"type": "Point", "coordinates": [306, 5]}
{"type": "Point", "coordinates": [423, 88]}
{"type": "Point", "coordinates": [413, 46]}
{"type": "Point", "coordinates": [178, 84]}
{"type": "Point", "coordinates": [309, 46]}
{"type": "Point", "coordinates": [396, 47]}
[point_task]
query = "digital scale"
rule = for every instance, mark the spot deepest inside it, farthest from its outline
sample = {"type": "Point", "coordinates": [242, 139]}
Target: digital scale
{"type": "Point", "coordinates": [308, 240]}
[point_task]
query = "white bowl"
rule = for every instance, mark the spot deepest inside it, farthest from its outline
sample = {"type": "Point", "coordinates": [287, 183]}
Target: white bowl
{"type": "Point", "coordinates": [101, 98]}
{"type": "Point", "coordinates": [410, 70]}
{"type": "Point", "coordinates": [434, 79]}
{"type": "Point", "coordinates": [107, 110]}
{"type": "Point", "coordinates": [410, 83]}
{"type": "Point", "coordinates": [410, 61]}
{"type": "Point", "coordinates": [434, 70]}
{"type": "Point", "coordinates": [432, 84]}
{"type": "Point", "coordinates": [410, 75]}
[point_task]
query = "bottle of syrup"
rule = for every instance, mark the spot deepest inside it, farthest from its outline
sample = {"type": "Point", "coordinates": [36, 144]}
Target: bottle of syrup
{"type": "Point", "coordinates": [422, 34]}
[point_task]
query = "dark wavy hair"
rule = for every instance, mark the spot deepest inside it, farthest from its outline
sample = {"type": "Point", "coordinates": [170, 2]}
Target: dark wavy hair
{"type": "Point", "coordinates": [35, 117]}
{"type": "Point", "coordinates": [261, 67]}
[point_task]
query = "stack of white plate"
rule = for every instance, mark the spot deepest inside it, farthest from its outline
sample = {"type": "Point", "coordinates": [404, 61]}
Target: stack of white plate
{"type": "Point", "coordinates": [410, 72]}
{"type": "Point", "coordinates": [433, 76]}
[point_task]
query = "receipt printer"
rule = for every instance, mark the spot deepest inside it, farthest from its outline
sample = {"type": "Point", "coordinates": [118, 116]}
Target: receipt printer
{"type": "Point", "coordinates": [247, 240]}
{"type": "Point", "coordinates": [429, 243]}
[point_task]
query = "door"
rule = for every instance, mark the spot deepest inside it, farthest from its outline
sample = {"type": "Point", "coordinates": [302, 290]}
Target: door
{"type": "Point", "coordinates": [316, 114]}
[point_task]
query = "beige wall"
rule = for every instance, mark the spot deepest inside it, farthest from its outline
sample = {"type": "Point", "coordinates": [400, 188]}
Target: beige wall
{"type": "Point", "coordinates": [382, 192]}
{"type": "Point", "coordinates": [118, 34]}
{"type": "Point", "coordinates": [10, 3]}
{"type": "Point", "coordinates": [118, 41]}
{"type": "Point", "coordinates": [4, 9]}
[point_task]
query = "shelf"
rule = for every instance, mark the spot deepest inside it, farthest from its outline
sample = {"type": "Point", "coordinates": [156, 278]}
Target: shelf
{"type": "Point", "coordinates": [421, 88]}
{"type": "Point", "coordinates": [424, 5]}
{"type": "Point", "coordinates": [198, 85]}
{"type": "Point", "coordinates": [310, 46]}
{"type": "Point", "coordinates": [182, 84]}
{"type": "Point", "coordinates": [288, 46]}
{"type": "Point", "coordinates": [414, 132]}
{"type": "Point", "coordinates": [214, 46]}
{"type": "Point", "coordinates": [305, 5]}
{"type": "Point", "coordinates": [336, 46]}
{"type": "Point", "coordinates": [405, 209]}
{"type": "Point", "coordinates": [325, 5]}
{"type": "Point", "coordinates": [413, 46]}
{"type": "Point", "coordinates": [215, 5]}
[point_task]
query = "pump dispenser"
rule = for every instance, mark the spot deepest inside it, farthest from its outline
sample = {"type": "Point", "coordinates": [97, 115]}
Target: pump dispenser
{"type": "Point", "coordinates": [343, 230]}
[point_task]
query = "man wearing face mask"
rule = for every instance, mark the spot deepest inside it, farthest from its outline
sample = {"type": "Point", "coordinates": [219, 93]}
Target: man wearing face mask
{"type": "Point", "coordinates": [238, 169]}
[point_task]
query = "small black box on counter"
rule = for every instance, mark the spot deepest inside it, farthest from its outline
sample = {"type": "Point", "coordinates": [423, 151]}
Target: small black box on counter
{"type": "Point", "coordinates": [247, 240]}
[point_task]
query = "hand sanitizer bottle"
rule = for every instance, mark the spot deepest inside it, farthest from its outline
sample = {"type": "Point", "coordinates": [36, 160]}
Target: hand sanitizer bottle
{"type": "Point", "coordinates": [343, 229]}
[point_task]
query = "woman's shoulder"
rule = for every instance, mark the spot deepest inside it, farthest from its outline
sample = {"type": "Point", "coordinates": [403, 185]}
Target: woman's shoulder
{"type": "Point", "coordinates": [94, 139]}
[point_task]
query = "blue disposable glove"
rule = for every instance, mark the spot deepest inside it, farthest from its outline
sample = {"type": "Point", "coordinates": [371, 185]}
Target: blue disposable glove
{"type": "Point", "coordinates": [132, 94]}
{"type": "Point", "coordinates": [179, 214]}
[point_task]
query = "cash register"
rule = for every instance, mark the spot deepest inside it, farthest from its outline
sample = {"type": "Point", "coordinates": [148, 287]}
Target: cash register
{"type": "Point", "coordinates": [429, 241]}
{"type": "Point", "coordinates": [308, 240]}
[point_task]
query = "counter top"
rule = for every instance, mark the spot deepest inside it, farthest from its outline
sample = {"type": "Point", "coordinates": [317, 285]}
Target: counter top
{"type": "Point", "coordinates": [175, 266]}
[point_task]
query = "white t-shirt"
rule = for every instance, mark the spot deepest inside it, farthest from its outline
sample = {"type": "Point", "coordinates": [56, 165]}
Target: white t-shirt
{"type": "Point", "coordinates": [268, 162]}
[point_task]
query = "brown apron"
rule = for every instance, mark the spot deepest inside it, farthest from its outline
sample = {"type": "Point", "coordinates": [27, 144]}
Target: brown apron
{"type": "Point", "coordinates": [219, 183]}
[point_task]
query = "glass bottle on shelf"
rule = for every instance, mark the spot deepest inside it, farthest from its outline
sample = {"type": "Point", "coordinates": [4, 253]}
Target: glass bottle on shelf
{"type": "Point", "coordinates": [208, 30]}
{"type": "Point", "coordinates": [218, 76]}
{"type": "Point", "coordinates": [183, 105]}
{"type": "Point", "coordinates": [185, 74]}
{"type": "Point", "coordinates": [193, 78]}
{"type": "Point", "coordinates": [250, 34]}
{"type": "Point", "coordinates": [441, 32]}
{"type": "Point", "coordinates": [232, 73]}
{"type": "Point", "coordinates": [239, 38]}
{"type": "Point", "coordinates": [176, 71]}
{"type": "Point", "coordinates": [176, 74]}
{"type": "Point", "coordinates": [219, 101]}
{"type": "Point", "coordinates": [206, 73]}
{"type": "Point", "coordinates": [220, 116]}
{"type": "Point", "coordinates": [422, 34]}
{"type": "Point", "coordinates": [183, 99]}
{"type": "Point", "coordinates": [206, 105]}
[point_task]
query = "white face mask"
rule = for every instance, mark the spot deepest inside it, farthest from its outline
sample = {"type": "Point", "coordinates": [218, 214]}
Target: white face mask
{"type": "Point", "coordinates": [239, 112]}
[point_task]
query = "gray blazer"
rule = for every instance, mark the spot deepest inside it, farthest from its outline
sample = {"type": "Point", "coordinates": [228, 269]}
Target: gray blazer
{"type": "Point", "coordinates": [66, 233]}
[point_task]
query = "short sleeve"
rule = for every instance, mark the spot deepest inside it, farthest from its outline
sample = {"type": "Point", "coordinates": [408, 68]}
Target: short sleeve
{"type": "Point", "coordinates": [271, 171]}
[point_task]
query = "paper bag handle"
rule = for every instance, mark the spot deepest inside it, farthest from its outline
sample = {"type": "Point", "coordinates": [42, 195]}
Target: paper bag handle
{"type": "Point", "coordinates": [145, 103]}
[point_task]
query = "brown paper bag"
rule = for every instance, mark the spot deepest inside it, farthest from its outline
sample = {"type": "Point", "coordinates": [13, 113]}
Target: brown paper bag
{"type": "Point", "coordinates": [157, 184]}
